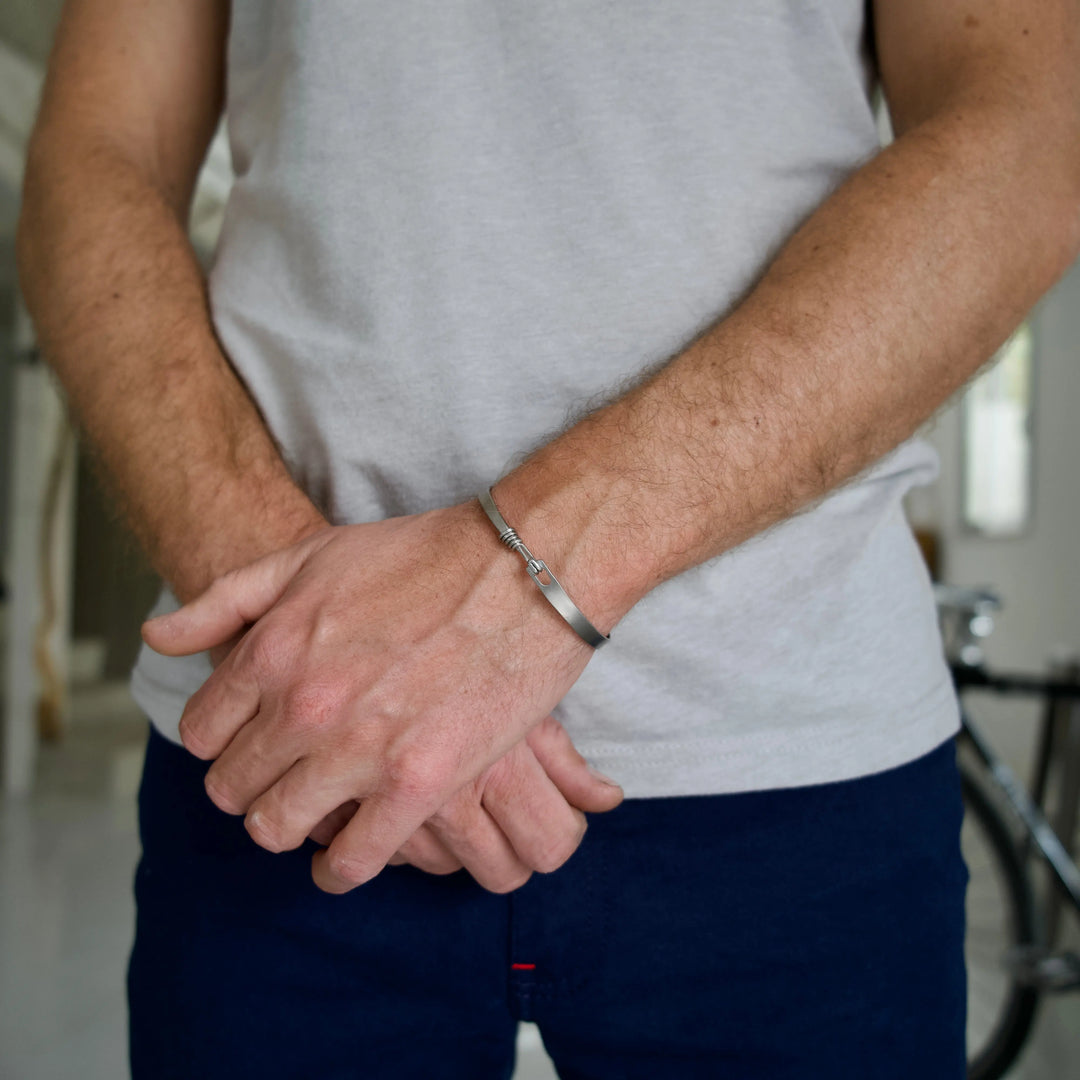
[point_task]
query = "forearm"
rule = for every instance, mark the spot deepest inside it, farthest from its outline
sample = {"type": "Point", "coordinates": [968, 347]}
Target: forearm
{"type": "Point", "coordinates": [119, 305]}
{"type": "Point", "coordinates": [887, 299]}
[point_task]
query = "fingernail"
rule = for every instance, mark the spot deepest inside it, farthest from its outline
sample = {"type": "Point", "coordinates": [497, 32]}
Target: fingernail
{"type": "Point", "coordinates": [602, 778]}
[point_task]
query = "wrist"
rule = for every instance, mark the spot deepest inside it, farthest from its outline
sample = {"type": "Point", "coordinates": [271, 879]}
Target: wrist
{"type": "Point", "coordinates": [496, 598]}
{"type": "Point", "coordinates": [220, 552]}
{"type": "Point", "coordinates": [541, 574]}
{"type": "Point", "coordinates": [576, 524]}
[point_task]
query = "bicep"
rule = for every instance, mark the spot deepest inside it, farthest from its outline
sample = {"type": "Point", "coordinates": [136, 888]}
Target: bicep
{"type": "Point", "coordinates": [937, 54]}
{"type": "Point", "coordinates": [144, 78]}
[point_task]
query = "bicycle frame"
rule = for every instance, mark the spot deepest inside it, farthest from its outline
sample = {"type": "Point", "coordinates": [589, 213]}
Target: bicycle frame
{"type": "Point", "coordinates": [1030, 960]}
{"type": "Point", "coordinates": [1030, 814]}
{"type": "Point", "coordinates": [1028, 809]}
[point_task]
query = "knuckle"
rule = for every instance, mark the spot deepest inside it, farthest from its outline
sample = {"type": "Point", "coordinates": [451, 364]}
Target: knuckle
{"type": "Point", "coordinates": [434, 864]}
{"type": "Point", "coordinates": [497, 779]}
{"type": "Point", "coordinates": [221, 795]}
{"type": "Point", "coordinates": [415, 775]}
{"type": "Point", "coordinates": [448, 866]}
{"type": "Point", "coordinates": [345, 866]}
{"type": "Point", "coordinates": [455, 817]}
{"type": "Point", "coordinates": [552, 856]}
{"type": "Point", "coordinates": [194, 742]}
{"type": "Point", "coordinates": [445, 818]}
{"type": "Point", "coordinates": [549, 728]}
{"type": "Point", "coordinates": [270, 650]}
{"type": "Point", "coordinates": [549, 736]}
{"type": "Point", "coordinates": [266, 832]}
{"type": "Point", "coordinates": [226, 584]}
{"type": "Point", "coordinates": [509, 881]}
{"type": "Point", "coordinates": [310, 706]}
{"type": "Point", "coordinates": [559, 847]}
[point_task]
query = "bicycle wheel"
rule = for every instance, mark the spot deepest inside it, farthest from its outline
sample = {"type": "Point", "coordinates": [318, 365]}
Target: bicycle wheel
{"type": "Point", "coordinates": [1000, 917]}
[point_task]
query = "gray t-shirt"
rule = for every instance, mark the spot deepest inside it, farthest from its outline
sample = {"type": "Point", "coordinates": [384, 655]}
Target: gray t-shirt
{"type": "Point", "coordinates": [455, 224]}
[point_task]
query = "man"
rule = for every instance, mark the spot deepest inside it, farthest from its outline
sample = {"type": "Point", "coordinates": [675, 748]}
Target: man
{"type": "Point", "coordinates": [455, 225]}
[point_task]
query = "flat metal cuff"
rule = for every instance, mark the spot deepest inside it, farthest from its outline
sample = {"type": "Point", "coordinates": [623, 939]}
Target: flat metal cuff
{"type": "Point", "coordinates": [538, 570]}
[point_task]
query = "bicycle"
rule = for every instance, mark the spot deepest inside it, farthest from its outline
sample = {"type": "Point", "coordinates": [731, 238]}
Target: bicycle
{"type": "Point", "coordinates": [1010, 940]}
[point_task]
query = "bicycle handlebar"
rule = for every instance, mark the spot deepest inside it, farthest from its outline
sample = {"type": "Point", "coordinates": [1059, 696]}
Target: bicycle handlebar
{"type": "Point", "coordinates": [967, 677]}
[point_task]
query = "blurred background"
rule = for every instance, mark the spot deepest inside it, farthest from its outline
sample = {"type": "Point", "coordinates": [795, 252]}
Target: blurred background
{"type": "Point", "coordinates": [1005, 513]}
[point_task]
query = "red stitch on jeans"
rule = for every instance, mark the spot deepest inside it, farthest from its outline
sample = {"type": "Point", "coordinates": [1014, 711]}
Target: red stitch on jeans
{"type": "Point", "coordinates": [522, 967]}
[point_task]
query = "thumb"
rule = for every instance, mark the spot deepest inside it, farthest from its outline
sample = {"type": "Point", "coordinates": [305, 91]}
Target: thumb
{"type": "Point", "coordinates": [231, 602]}
{"type": "Point", "coordinates": [580, 785]}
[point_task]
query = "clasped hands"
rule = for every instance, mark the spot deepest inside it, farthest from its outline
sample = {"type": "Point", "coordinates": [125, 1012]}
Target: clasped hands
{"type": "Point", "coordinates": [390, 696]}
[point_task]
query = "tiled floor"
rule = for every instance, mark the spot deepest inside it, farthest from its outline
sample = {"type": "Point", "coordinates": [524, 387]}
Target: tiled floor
{"type": "Point", "coordinates": [66, 860]}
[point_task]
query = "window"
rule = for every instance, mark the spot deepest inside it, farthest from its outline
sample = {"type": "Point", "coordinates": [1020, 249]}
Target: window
{"type": "Point", "coordinates": [997, 448]}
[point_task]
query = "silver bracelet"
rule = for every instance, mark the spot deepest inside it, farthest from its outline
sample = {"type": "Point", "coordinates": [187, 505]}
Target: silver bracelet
{"type": "Point", "coordinates": [552, 590]}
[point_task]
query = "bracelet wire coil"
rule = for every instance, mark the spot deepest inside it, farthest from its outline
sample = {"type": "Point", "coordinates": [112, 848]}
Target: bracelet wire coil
{"type": "Point", "coordinates": [553, 592]}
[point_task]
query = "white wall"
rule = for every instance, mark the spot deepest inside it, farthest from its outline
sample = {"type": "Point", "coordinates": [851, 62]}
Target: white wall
{"type": "Point", "coordinates": [1038, 574]}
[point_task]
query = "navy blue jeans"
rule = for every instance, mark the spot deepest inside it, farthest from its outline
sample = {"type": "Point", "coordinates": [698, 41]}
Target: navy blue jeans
{"type": "Point", "coordinates": [807, 933]}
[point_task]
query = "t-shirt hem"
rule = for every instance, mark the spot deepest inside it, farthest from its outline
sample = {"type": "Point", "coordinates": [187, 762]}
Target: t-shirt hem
{"type": "Point", "coordinates": [795, 757]}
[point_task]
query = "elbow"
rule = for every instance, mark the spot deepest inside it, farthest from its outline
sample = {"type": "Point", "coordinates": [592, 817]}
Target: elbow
{"type": "Point", "coordinates": [1047, 204]}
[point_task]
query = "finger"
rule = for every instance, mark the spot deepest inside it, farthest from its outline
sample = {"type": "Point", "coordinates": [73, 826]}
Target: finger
{"type": "Point", "coordinates": [220, 707]}
{"type": "Point", "coordinates": [219, 652]}
{"type": "Point", "coordinates": [282, 817]}
{"type": "Point", "coordinates": [471, 835]}
{"type": "Point", "coordinates": [581, 785]}
{"type": "Point", "coordinates": [255, 759]}
{"type": "Point", "coordinates": [425, 851]}
{"type": "Point", "coordinates": [378, 830]}
{"type": "Point", "coordinates": [232, 602]}
{"type": "Point", "coordinates": [333, 823]}
{"type": "Point", "coordinates": [541, 826]}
